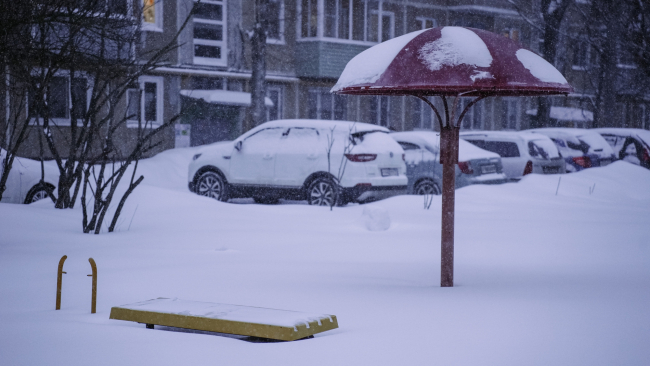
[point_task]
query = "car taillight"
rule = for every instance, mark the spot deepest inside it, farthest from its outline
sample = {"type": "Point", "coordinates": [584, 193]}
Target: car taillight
{"type": "Point", "coordinates": [646, 156]}
{"type": "Point", "coordinates": [465, 167]}
{"type": "Point", "coordinates": [583, 161]}
{"type": "Point", "coordinates": [360, 158]}
{"type": "Point", "coordinates": [529, 167]}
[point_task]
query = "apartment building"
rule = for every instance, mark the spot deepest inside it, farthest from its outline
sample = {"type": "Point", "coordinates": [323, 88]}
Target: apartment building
{"type": "Point", "coordinates": [309, 43]}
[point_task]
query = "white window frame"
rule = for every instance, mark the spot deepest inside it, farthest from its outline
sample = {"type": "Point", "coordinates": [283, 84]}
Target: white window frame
{"type": "Point", "coordinates": [223, 61]}
{"type": "Point", "coordinates": [280, 90]}
{"type": "Point", "coordinates": [587, 60]}
{"type": "Point", "coordinates": [380, 25]}
{"type": "Point", "coordinates": [320, 31]}
{"type": "Point", "coordinates": [423, 22]}
{"type": "Point", "coordinates": [65, 121]}
{"type": "Point", "coordinates": [510, 101]}
{"type": "Point", "coordinates": [280, 40]}
{"type": "Point", "coordinates": [319, 107]}
{"type": "Point", "coordinates": [158, 9]}
{"type": "Point", "coordinates": [380, 101]}
{"type": "Point", "coordinates": [158, 80]}
{"type": "Point", "coordinates": [422, 115]}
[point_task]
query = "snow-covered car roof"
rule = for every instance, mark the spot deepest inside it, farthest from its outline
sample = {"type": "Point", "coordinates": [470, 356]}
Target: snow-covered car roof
{"type": "Point", "coordinates": [591, 137]}
{"type": "Point", "coordinates": [523, 135]}
{"type": "Point", "coordinates": [322, 124]}
{"type": "Point", "coordinates": [466, 151]}
{"type": "Point", "coordinates": [631, 132]}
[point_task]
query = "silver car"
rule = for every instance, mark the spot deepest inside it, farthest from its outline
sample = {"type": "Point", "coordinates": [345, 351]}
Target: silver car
{"type": "Point", "coordinates": [521, 152]}
{"type": "Point", "coordinates": [424, 171]}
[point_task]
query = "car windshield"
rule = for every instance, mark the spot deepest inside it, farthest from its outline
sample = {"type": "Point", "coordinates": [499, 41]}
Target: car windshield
{"type": "Point", "coordinates": [596, 143]}
{"type": "Point", "coordinates": [543, 149]}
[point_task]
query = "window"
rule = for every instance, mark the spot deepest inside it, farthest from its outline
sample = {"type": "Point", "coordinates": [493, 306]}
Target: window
{"type": "Point", "coordinates": [422, 115]}
{"type": "Point", "coordinates": [324, 105]}
{"type": "Point", "coordinates": [151, 15]}
{"type": "Point", "coordinates": [583, 56]}
{"type": "Point", "coordinates": [408, 146]}
{"type": "Point", "coordinates": [276, 22]}
{"type": "Point", "coordinates": [210, 33]}
{"type": "Point", "coordinates": [63, 97]}
{"type": "Point", "coordinates": [425, 23]}
{"type": "Point", "coordinates": [511, 33]}
{"type": "Point", "coordinates": [473, 119]}
{"type": "Point", "coordinates": [503, 148]}
{"type": "Point", "coordinates": [511, 113]}
{"type": "Point", "coordinates": [275, 94]}
{"type": "Point", "coordinates": [380, 111]}
{"type": "Point", "coordinates": [354, 20]}
{"type": "Point", "coordinates": [146, 103]}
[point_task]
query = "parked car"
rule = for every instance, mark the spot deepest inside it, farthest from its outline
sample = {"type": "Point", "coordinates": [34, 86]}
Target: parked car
{"type": "Point", "coordinates": [521, 152]}
{"type": "Point", "coordinates": [580, 148]}
{"type": "Point", "coordinates": [424, 171]}
{"type": "Point", "coordinates": [24, 182]}
{"type": "Point", "coordinates": [629, 144]}
{"type": "Point", "coordinates": [304, 160]}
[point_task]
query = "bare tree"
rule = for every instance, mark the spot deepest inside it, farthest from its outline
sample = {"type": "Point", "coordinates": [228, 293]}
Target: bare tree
{"type": "Point", "coordinates": [549, 24]}
{"type": "Point", "coordinates": [258, 36]}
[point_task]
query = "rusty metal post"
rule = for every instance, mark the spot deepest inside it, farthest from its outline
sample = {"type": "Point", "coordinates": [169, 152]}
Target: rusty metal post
{"type": "Point", "coordinates": [449, 158]}
{"type": "Point", "coordinates": [59, 282]}
{"type": "Point", "coordinates": [93, 306]}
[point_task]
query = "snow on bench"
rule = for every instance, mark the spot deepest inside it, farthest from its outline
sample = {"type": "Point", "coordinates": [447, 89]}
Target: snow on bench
{"type": "Point", "coordinates": [226, 318]}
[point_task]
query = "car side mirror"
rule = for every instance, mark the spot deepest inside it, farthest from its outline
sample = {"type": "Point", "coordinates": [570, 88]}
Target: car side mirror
{"type": "Point", "coordinates": [238, 145]}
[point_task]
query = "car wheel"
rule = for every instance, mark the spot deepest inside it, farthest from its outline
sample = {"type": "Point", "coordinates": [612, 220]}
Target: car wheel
{"type": "Point", "coordinates": [211, 184]}
{"type": "Point", "coordinates": [37, 193]}
{"type": "Point", "coordinates": [322, 192]}
{"type": "Point", "coordinates": [427, 187]}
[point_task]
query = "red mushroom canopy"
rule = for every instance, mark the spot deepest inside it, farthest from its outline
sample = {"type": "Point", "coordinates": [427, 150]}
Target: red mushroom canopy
{"type": "Point", "coordinates": [450, 61]}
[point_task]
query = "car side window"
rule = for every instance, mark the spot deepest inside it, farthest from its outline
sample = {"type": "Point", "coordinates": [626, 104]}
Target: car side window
{"type": "Point", "coordinates": [408, 146]}
{"type": "Point", "coordinates": [263, 139]}
{"type": "Point", "coordinates": [505, 149]}
{"type": "Point", "coordinates": [301, 137]}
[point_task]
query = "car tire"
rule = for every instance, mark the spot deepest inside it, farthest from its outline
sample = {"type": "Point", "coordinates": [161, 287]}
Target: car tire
{"type": "Point", "coordinates": [322, 192]}
{"type": "Point", "coordinates": [427, 187]}
{"type": "Point", "coordinates": [38, 192]}
{"type": "Point", "coordinates": [211, 184]}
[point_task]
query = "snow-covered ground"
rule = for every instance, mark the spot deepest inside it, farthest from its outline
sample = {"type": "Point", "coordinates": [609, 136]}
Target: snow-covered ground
{"type": "Point", "coordinates": [541, 279]}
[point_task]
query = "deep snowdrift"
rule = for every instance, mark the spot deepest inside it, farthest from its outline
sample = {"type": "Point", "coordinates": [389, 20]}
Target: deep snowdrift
{"type": "Point", "coordinates": [541, 279]}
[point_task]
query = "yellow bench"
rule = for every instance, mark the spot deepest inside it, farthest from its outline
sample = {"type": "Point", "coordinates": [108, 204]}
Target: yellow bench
{"type": "Point", "coordinates": [282, 325]}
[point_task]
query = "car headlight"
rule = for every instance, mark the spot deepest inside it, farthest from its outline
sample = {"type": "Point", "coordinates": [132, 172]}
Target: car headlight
{"type": "Point", "coordinates": [196, 156]}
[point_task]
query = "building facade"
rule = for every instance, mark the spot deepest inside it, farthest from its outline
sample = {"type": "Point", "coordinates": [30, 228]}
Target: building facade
{"type": "Point", "coordinates": [207, 76]}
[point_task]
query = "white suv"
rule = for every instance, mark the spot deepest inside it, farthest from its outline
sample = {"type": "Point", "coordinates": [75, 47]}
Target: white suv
{"type": "Point", "coordinates": [302, 160]}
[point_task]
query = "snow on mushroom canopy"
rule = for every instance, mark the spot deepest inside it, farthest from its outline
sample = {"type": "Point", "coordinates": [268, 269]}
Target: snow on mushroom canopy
{"type": "Point", "coordinates": [370, 64]}
{"type": "Point", "coordinates": [456, 46]}
{"type": "Point", "coordinates": [449, 61]}
{"type": "Point", "coordinates": [539, 67]}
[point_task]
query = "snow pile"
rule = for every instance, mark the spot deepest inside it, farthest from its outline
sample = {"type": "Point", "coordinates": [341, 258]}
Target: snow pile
{"type": "Point", "coordinates": [539, 67]}
{"type": "Point", "coordinates": [376, 218]}
{"type": "Point", "coordinates": [456, 46]}
{"type": "Point", "coordinates": [370, 64]}
{"type": "Point", "coordinates": [560, 279]}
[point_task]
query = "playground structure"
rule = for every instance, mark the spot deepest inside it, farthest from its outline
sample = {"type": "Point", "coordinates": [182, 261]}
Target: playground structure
{"type": "Point", "coordinates": [59, 284]}
{"type": "Point", "coordinates": [251, 321]}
